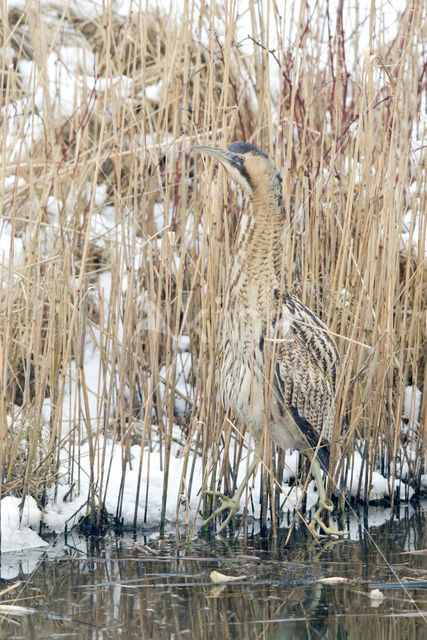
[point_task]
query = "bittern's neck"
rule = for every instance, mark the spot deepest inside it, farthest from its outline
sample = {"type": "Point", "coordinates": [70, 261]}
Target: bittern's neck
{"type": "Point", "coordinates": [260, 244]}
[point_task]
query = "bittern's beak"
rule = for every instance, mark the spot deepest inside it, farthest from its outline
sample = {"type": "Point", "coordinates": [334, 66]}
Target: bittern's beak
{"type": "Point", "coordinates": [226, 157]}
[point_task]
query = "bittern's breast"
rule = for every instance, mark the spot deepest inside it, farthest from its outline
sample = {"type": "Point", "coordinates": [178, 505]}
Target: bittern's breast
{"type": "Point", "coordinates": [242, 378]}
{"type": "Point", "coordinates": [247, 381]}
{"type": "Point", "coordinates": [245, 385]}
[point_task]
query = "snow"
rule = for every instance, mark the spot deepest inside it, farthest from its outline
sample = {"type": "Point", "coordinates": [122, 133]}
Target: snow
{"type": "Point", "coordinates": [379, 487]}
{"type": "Point", "coordinates": [67, 90]}
{"type": "Point", "coordinates": [412, 405]}
{"type": "Point", "coordinates": [60, 513]}
{"type": "Point", "coordinates": [62, 88]}
{"type": "Point", "coordinates": [23, 128]}
{"type": "Point", "coordinates": [154, 92]}
{"type": "Point", "coordinates": [17, 535]}
{"type": "Point", "coordinates": [8, 244]}
{"type": "Point", "coordinates": [82, 9]}
{"type": "Point", "coordinates": [70, 502]}
{"type": "Point", "coordinates": [72, 394]}
{"type": "Point", "coordinates": [53, 207]}
{"type": "Point", "coordinates": [413, 238]}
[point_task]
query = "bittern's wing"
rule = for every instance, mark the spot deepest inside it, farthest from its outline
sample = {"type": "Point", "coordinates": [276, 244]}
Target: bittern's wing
{"type": "Point", "coordinates": [306, 368]}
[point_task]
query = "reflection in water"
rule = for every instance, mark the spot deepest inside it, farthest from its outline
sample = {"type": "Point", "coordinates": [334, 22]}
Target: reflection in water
{"type": "Point", "coordinates": [132, 590]}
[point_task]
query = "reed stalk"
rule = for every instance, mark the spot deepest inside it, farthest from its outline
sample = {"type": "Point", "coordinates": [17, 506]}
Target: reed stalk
{"type": "Point", "coordinates": [115, 240]}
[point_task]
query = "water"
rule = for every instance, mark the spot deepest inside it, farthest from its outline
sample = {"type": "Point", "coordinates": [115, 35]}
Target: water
{"type": "Point", "coordinates": [140, 588]}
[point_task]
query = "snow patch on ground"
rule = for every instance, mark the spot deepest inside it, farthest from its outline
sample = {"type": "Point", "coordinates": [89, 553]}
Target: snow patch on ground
{"type": "Point", "coordinates": [68, 507]}
{"type": "Point", "coordinates": [380, 488]}
{"type": "Point", "coordinates": [17, 535]}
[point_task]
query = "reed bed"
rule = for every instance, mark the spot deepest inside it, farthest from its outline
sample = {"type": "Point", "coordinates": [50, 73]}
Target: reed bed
{"type": "Point", "coordinates": [115, 239]}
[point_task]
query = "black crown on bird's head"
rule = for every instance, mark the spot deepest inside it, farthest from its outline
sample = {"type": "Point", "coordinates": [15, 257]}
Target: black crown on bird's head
{"type": "Point", "coordinates": [243, 148]}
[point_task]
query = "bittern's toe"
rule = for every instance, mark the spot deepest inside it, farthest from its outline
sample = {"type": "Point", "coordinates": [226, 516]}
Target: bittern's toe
{"type": "Point", "coordinates": [327, 529]}
{"type": "Point", "coordinates": [232, 504]}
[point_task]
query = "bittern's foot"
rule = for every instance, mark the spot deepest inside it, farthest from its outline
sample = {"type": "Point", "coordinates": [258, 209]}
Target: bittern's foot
{"type": "Point", "coordinates": [232, 504]}
{"type": "Point", "coordinates": [328, 530]}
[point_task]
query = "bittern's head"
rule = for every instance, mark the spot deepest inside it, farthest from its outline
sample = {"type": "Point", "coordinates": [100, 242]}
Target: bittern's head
{"type": "Point", "coordinates": [251, 168]}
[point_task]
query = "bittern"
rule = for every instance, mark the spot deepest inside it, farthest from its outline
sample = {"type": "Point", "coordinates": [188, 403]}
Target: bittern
{"type": "Point", "coordinates": [279, 362]}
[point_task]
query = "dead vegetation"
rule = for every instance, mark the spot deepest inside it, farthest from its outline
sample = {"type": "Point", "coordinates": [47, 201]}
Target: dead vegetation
{"type": "Point", "coordinates": [113, 235]}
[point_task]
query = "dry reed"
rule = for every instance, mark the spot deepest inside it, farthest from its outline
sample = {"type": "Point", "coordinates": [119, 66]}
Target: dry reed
{"type": "Point", "coordinates": [123, 237]}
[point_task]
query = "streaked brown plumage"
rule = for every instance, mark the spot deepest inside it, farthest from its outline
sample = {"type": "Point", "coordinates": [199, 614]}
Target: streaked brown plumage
{"type": "Point", "coordinates": [274, 348]}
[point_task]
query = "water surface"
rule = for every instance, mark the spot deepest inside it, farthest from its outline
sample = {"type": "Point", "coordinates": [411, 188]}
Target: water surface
{"type": "Point", "coordinates": [139, 587]}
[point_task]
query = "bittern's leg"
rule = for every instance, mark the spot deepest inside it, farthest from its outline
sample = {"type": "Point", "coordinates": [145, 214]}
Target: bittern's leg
{"type": "Point", "coordinates": [324, 503]}
{"type": "Point", "coordinates": [233, 503]}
